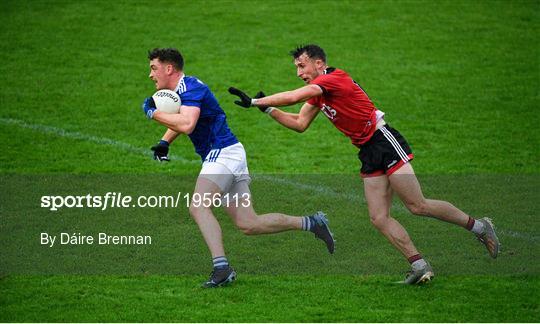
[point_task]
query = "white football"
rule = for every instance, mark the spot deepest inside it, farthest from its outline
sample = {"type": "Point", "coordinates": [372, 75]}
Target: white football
{"type": "Point", "coordinates": [167, 101]}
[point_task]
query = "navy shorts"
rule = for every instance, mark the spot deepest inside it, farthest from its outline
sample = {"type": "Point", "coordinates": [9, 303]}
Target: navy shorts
{"type": "Point", "coordinates": [384, 153]}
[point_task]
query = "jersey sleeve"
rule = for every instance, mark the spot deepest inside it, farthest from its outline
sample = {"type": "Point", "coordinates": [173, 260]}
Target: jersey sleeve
{"type": "Point", "coordinates": [328, 83]}
{"type": "Point", "coordinates": [315, 101]}
{"type": "Point", "coordinates": [194, 97]}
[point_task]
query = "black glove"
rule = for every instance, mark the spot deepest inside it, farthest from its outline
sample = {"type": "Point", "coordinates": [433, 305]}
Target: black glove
{"type": "Point", "coordinates": [161, 151]}
{"type": "Point", "coordinates": [245, 100]}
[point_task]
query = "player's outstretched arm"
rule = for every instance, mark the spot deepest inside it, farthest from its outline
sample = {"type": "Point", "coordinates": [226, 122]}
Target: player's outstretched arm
{"type": "Point", "coordinates": [288, 98]}
{"type": "Point", "coordinates": [280, 99]}
{"type": "Point", "coordinates": [297, 122]}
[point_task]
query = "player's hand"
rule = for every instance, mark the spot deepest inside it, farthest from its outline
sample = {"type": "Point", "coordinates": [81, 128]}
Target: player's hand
{"type": "Point", "coordinates": [161, 151]}
{"type": "Point", "coordinates": [245, 100]}
{"type": "Point", "coordinates": [149, 107]}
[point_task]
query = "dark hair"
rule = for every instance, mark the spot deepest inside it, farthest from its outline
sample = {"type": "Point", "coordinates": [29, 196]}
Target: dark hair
{"type": "Point", "coordinates": [168, 55]}
{"type": "Point", "coordinates": [313, 51]}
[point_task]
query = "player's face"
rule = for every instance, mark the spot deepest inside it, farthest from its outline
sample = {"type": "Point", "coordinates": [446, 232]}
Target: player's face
{"type": "Point", "coordinates": [307, 68]}
{"type": "Point", "coordinates": [159, 73]}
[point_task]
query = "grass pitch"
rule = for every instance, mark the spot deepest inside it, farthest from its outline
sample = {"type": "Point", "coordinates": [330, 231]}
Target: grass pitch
{"type": "Point", "coordinates": [266, 298]}
{"type": "Point", "coordinates": [460, 80]}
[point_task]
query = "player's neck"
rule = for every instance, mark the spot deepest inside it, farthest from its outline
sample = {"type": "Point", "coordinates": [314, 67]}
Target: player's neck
{"type": "Point", "coordinates": [322, 70]}
{"type": "Point", "coordinates": [175, 78]}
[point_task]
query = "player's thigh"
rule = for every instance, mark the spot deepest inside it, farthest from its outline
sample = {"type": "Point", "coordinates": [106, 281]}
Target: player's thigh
{"type": "Point", "coordinates": [204, 185]}
{"type": "Point", "coordinates": [406, 185]}
{"type": "Point", "coordinates": [217, 174]}
{"type": "Point", "coordinates": [213, 179]}
{"type": "Point", "coordinates": [203, 196]}
{"type": "Point", "coordinates": [378, 195]}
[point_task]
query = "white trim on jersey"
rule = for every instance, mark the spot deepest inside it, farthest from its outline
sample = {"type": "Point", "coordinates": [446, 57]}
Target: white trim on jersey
{"type": "Point", "coordinates": [395, 144]}
{"type": "Point", "coordinates": [181, 87]}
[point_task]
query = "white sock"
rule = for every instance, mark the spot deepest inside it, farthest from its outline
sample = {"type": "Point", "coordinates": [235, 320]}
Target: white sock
{"type": "Point", "coordinates": [418, 264]}
{"type": "Point", "coordinates": [478, 227]}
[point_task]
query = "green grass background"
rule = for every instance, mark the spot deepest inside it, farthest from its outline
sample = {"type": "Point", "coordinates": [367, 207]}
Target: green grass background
{"type": "Point", "coordinates": [460, 79]}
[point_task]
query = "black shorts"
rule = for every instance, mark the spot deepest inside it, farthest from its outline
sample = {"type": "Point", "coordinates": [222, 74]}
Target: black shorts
{"type": "Point", "coordinates": [384, 153]}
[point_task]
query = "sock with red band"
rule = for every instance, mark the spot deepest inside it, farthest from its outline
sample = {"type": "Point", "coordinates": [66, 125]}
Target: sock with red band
{"type": "Point", "coordinates": [474, 226]}
{"type": "Point", "coordinates": [417, 262]}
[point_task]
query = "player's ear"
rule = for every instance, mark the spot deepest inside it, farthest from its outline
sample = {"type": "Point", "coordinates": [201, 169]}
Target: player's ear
{"type": "Point", "coordinates": [170, 68]}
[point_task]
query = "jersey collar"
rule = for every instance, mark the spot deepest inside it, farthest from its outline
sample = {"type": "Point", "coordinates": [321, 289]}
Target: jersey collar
{"type": "Point", "coordinates": [181, 86]}
{"type": "Point", "coordinates": [329, 70]}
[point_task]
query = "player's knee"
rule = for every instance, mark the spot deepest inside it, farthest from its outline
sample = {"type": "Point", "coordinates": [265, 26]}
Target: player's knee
{"type": "Point", "coordinates": [248, 228]}
{"type": "Point", "coordinates": [196, 211]}
{"type": "Point", "coordinates": [250, 231]}
{"type": "Point", "coordinates": [379, 220]}
{"type": "Point", "coordinates": [247, 224]}
{"type": "Point", "coordinates": [418, 208]}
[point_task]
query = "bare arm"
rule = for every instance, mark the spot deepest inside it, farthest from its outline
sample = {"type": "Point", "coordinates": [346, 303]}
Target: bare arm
{"type": "Point", "coordinates": [169, 135]}
{"type": "Point", "coordinates": [183, 122]}
{"type": "Point", "coordinates": [288, 98]}
{"type": "Point", "coordinates": [297, 122]}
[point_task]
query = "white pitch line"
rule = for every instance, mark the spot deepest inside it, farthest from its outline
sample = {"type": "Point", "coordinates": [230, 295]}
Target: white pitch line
{"type": "Point", "coordinates": [317, 188]}
{"type": "Point", "coordinates": [90, 138]}
{"type": "Point", "coordinates": [524, 236]}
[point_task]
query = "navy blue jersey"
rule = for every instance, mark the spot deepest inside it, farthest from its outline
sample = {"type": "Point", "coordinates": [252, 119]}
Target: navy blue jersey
{"type": "Point", "coordinates": [211, 131]}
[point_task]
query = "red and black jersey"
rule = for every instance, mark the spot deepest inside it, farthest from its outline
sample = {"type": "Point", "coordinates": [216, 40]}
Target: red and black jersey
{"type": "Point", "coordinates": [346, 105]}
